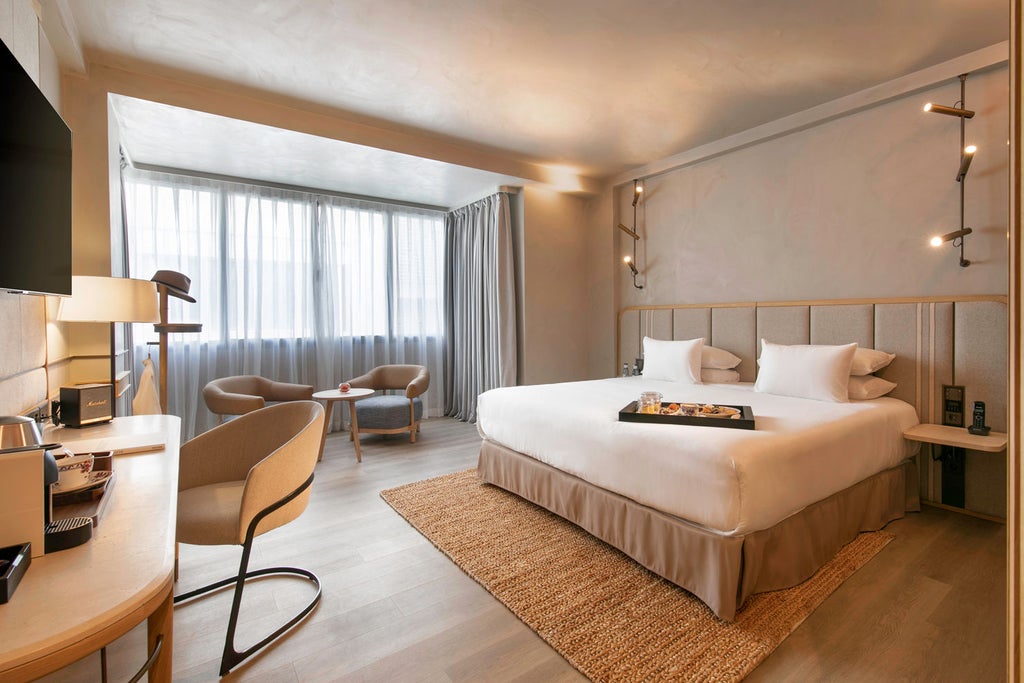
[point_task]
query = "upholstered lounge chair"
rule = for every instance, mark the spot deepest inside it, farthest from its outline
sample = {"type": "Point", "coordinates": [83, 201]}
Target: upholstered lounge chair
{"type": "Point", "coordinates": [392, 413]}
{"type": "Point", "coordinates": [245, 393]}
{"type": "Point", "coordinates": [242, 479]}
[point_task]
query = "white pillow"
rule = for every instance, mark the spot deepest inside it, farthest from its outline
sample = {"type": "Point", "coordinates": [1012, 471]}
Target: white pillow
{"type": "Point", "coordinates": [867, 387]}
{"type": "Point", "coordinates": [720, 359]}
{"type": "Point", "coordinates": [867, 361]}
{"type": "Point", "coordinates": [675, 361]}
{"type": "Point", "coordinates": [717, 376]}
{"type": "Point", "coordinates": [806, 371]}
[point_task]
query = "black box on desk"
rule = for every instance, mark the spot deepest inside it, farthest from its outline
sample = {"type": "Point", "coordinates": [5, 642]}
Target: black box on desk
{"type": "Point", "coordinates": [17, 558]}
{"type": "Point", "coordinates": [85, 404]}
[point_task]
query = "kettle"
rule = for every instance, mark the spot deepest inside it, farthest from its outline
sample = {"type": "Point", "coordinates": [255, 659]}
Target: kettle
{"type": "Point", "coordinates": [17, 431]}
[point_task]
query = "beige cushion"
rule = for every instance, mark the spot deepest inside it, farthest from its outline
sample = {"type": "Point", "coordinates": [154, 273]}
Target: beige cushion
{"type": "Point", "coordinates": [208, 515]}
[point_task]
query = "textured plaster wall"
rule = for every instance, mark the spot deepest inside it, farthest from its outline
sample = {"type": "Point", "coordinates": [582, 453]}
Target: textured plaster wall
{"type": "Point", "coordinates": [840, 210]}
{"type": "Point", "coordinates": [554, 277]}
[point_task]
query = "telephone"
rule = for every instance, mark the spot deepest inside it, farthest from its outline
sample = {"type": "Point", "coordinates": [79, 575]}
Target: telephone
{"type": "Point", "coordinates": [978, 422]}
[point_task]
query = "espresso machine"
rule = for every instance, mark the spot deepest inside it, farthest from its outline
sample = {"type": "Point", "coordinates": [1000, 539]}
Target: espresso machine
{"type": "Point", "coordinates": [28, 470]}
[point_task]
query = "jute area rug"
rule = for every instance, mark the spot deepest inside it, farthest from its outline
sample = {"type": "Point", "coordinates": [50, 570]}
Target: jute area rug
{"type": "Point", "coordinates": [608, 616]}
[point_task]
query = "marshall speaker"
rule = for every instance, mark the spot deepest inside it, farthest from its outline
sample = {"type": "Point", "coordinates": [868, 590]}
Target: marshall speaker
{"type": "Point", "coordinates": [84, 404]}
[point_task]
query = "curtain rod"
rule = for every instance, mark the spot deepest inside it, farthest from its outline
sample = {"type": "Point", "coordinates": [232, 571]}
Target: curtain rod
{"type": "Point", "coordinates": [284, 186]}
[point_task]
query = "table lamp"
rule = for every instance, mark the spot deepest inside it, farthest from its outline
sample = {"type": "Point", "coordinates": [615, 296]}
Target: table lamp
{"type": "Point", "coordinates": [110, 300]}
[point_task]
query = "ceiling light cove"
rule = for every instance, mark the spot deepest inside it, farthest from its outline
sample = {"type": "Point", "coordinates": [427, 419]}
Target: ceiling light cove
{"type": "Point", "coordinates": [564, 178]}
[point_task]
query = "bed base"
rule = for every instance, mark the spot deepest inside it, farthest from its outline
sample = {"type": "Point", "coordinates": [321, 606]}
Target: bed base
{"type": "Point", "coordinates": [723, 571]}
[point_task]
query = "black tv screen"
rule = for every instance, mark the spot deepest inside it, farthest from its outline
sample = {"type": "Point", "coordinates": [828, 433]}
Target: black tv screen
{"type": "Point", "coordinates": [35, 186]}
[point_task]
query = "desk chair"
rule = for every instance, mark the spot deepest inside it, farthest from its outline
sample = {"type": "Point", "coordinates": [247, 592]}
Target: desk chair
{"type": "Point", "coordinates": [242, 479]}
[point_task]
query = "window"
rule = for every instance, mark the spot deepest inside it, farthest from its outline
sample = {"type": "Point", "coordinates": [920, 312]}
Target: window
{"type": "Point", "coordinates": [272, 264]}
{"type": "Point", "coordinates": [294, 286]}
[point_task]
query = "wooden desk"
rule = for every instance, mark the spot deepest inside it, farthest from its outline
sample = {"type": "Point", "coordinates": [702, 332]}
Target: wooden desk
{"type": "Point", "coordinates": [73, 602]}
{"type": "Point", "coordinates": [330, 397]}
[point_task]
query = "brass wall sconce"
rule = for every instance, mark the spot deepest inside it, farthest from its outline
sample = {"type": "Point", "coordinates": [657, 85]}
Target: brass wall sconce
{"type": "Point", "coordinates": [638, 190]}
{"type": "Point", "coordinates": [950, 111]}
{"type": "Point", "coordinates": [966, 157]}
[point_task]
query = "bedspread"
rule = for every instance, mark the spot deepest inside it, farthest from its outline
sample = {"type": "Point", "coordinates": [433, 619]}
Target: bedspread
{"type": "Point", "coordinates": [730, 481]}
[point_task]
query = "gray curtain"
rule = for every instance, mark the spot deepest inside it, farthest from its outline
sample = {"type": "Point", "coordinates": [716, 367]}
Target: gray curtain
{"type": "Point", "coordinates": [480, 296]}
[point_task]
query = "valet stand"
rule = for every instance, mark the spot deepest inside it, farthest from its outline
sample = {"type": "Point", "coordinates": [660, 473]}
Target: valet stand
{"type": "Point", "coordinates": [164, 328]}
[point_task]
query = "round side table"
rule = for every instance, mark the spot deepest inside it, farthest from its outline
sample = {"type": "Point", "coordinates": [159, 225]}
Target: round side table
{"type": "Point", "coordinates": [332, 396]}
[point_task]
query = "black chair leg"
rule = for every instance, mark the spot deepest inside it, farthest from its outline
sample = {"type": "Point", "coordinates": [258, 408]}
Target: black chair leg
{"type": "Point", "coordinates": [231, 657]}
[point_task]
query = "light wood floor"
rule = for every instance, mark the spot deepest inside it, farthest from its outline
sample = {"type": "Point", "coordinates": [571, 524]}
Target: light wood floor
{"type": "Point", "coordinates": [931, 606]}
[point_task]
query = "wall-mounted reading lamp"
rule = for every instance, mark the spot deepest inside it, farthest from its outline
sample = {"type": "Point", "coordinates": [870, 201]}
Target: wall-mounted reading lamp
{"type": "Point", "coordinates": [965, 162]}
{"type": "Point", "coordinates": [957, 238]}
{"type": "Point", "coordinates": [950, 111]}
{"type": "Point", "coordinates": [966, 157]}
{"type": "Point", "coordinates": [638, 190]}
{"type": "Point", "coordinates": [629, 232]}
{"type": "Point", "coordinates": [939, 240]}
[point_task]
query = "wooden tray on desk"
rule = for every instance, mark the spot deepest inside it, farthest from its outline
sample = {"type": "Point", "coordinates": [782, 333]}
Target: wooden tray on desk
{"type": "Point", "coordinates": [92, 502]}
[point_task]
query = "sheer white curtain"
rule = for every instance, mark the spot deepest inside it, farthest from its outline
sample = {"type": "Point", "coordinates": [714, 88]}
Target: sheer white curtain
{"type": "Point", "coordinates": [292, 286]}
{"type": "Point", "coordinates": [380, 291]}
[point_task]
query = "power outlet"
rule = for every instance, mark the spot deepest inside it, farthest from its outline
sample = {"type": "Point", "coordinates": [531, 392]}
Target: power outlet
{"type": "Point", "coordinates": [39, 414]}
{"type": "Point", "coordinates": [953, 405]}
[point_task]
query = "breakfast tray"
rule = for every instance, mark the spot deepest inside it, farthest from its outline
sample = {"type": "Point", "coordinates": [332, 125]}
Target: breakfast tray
{"type": "Point", "coordinates": [745, 419]}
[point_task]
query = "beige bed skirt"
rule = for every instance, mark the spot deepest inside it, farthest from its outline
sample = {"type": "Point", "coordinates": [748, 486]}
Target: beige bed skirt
{"type": "Point", "coordinates": [723, 571]}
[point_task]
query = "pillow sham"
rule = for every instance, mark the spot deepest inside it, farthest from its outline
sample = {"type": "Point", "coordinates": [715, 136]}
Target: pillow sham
{"type": "Point", "coordinates": [675, 361]}
{"type": "Point", "coordinates": [718, 376]}
{"type": "Point", "coordinates": [867, 361]}
{"type": "Point", "coordinates": [867, 387]}
{"type": "Point", "coordinates": [719, 359]}
{"type": "Point", "coordinates": [817, 372]}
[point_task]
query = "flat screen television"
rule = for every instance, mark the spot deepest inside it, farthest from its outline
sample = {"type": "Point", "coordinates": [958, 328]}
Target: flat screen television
{"type": "Point", "coordinates": [35, 187]}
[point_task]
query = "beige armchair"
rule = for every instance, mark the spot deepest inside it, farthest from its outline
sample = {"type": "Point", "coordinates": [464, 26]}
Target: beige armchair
{"type": "Point", "coordinates": [242, 479]}
{"type": "Point", "coordinates": [395, 413]}
{"type": "Point", "coordinates": [244, 393]}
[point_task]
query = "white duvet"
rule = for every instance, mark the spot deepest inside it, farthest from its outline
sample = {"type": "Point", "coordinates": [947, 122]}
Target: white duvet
{"type": "Point", "coordinates": [732, 481]}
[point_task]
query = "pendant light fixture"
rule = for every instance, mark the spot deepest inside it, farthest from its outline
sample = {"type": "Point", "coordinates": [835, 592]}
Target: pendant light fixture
{"type": "Point", "coordinates": [966, 157]}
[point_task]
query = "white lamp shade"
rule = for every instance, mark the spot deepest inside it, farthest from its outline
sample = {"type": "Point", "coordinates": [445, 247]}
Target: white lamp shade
{"type": "Point", "coordinates": [110, 300]}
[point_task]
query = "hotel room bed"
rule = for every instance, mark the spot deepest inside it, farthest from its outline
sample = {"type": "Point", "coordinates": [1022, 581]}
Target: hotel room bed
{"type": "Point", "coordinates": [739, 512]}
{"type": "Point", "coordinates": [721, 512]}
{"type": "Point", "coordinates": [730, 481]}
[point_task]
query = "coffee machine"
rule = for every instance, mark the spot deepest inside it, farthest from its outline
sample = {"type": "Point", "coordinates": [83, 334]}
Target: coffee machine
{"type": "Point", "coordinates": [28, 470]}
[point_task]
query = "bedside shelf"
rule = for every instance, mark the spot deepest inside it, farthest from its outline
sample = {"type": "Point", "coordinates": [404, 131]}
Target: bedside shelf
{"type": "Point", "coordinates": [957, 437]}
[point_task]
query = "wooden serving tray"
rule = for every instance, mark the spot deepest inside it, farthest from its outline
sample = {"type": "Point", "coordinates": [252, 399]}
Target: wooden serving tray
{"type": "Point", "coordinates": [744, 421]}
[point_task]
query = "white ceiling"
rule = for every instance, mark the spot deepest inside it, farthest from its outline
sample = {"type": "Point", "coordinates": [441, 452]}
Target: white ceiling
{"type": "Point", "coordinates": [598, 86]}
{"type": "Point", "coordinates": [171, 137]}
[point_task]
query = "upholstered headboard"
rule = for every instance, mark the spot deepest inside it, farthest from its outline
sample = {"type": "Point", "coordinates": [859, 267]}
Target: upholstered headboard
{"type": "Point", "coordinates": [937, 340]}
